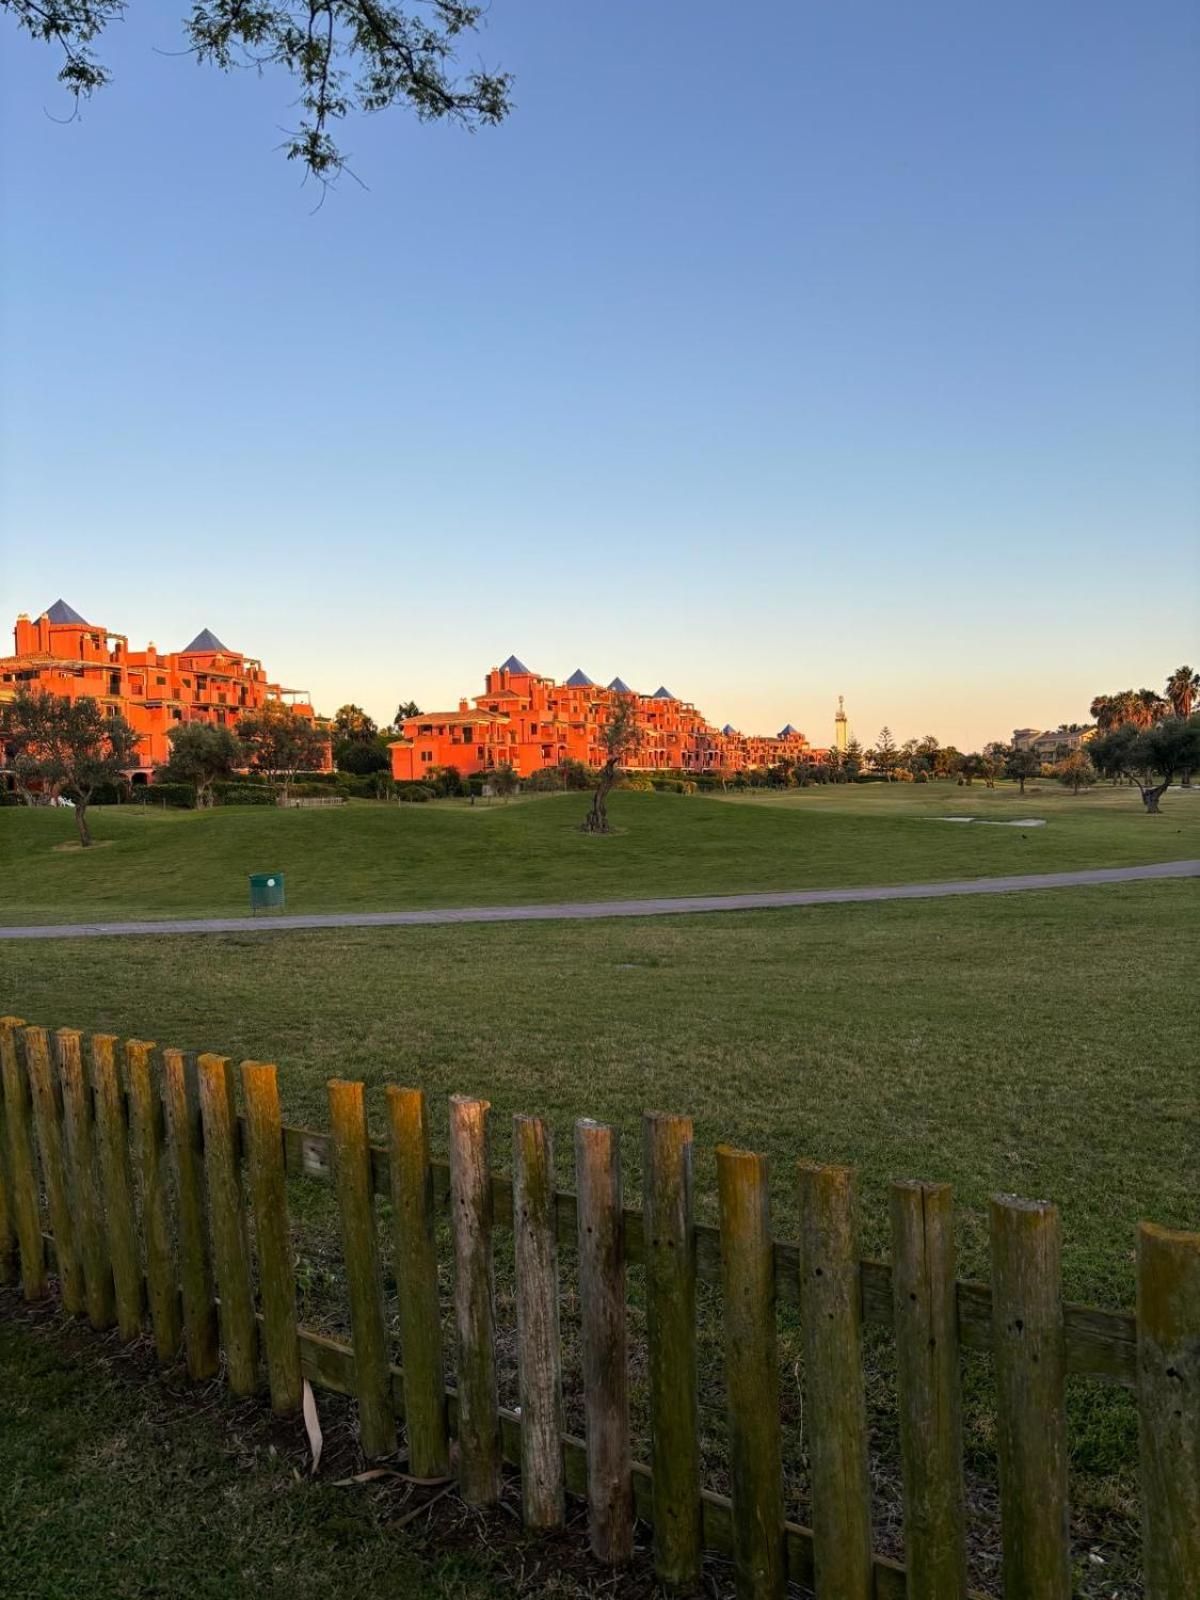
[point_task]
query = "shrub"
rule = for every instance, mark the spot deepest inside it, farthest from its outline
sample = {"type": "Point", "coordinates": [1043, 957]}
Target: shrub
{"type": "Point", "coordinates": [243, 794]}
{"type": "Point", "coordinates": [114, 794]}
{"type": "Point", "coordinates": [415, 793]}
{"type": "Point", "coordinates": [182, 795]}
{"type": "Point", "coordinates": [547, 780]}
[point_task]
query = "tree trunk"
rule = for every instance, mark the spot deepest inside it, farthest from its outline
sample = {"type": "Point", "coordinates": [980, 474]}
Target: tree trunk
{"type": "Point", "coordinates": [85, 836]}
{"type": "Point", "coordinates": [1021, 782]}
{"type": "Point", "coordinates": [596, 820]}
{"type": "Point", "coordinates": [1151, 797]}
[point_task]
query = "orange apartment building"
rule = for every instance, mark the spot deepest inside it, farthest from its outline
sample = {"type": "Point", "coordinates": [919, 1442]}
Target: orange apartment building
{"type": "Point", "coordinates": [153, 690]}
{"type": "Point", "coordinates": [531, 722]}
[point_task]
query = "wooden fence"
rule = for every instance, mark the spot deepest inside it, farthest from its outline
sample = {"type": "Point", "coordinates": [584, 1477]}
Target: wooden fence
{"type": "Point", "coordinates": [167, 1209]}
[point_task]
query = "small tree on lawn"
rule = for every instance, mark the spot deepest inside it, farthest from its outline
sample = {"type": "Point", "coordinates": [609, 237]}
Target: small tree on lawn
{"type": "Point", "coordinates": [1075, 772]}
{"type": "Point", "coordinates": [1152, 757]}
{"type": "Point", "coordinates": [1022, 764]}
{"type": "Point", "coordinates": [69, 746]}
{"type": "Point", "coordinates": [201, 752]}
{"type": "Point", "coordinates": [280, 744]}
{"type": "Point", "coordinates": [503, 779]}
{"type": "Point", "coordinates": [852, 761]}
{"type": "Point", "coordinates": [620, 736]}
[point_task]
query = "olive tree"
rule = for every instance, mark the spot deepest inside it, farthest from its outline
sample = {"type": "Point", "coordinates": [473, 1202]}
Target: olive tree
{"type": "Point", "coordinates": [620, 736]}
{"type": "Point", "coordinates": [201, 753]}
{"type": "Point", "coordinates": [68, 747]}
{"type": "Point", "coordinates": [1152, 757]}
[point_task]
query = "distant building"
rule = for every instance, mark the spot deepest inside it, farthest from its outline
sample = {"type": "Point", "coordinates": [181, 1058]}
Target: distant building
{"type": "Point", "coordinates": [528, 722]}
{"type": "Point", "coordinates": [1053, 744]}
{"type": "Point", "coordinates": [153, 690]}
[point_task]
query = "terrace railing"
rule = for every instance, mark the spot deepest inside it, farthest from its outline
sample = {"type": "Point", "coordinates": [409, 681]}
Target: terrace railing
{"type": "Point", "coordinates": [167, 1208]}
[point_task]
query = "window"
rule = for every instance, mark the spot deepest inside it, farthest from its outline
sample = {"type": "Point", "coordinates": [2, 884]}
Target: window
{"type": "Point", "coordinates": [426, 755]}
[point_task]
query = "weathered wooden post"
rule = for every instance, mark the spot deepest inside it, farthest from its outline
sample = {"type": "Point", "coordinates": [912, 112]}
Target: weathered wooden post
{"type": "Point", "coordinates": [751, 1374]}
{"type": "Point", "coordinates": [48, 1122]}
{"type": "Point", "coordinates": [268, 1198]}
{"type": "Point", "coordinates": [186, 1137]}
{"type": "Point", "coordinates": [352, 1174]}
{"type": "Point", "coordinates": [1031, 1423]}
{"type": "Point", "coordinates": [112, 1133]}
{"type": "Point", "coordinates": [538, 1348]}
{"type": "Point", "coordinates": [670, 1250]}
{"type": "Point", "coordinates": [227, 1221]}
{"type": "Point", "coordinates": [474, 1302]}
{"type": "Point", "coordinates": [928, 1389]}
{"type": "Point", "coordinates": [146, 1126]}
{"type": "Point", "coordinates": [1168, 1380]}
{"type": "Point", "coordinates": [415, 1252]}
{"type": "Point", "coordinates": [9, 1268]}
{"type": "Point", "coordinates": [22, 1165]}
{"type": "Point", "coordinates": [79, 1125]}
{"type": "Point", "coordinates": [605, 1341]}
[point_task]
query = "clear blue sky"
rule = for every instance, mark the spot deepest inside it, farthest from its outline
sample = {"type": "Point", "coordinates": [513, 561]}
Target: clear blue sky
{"type": "Point", "coordinates": [770, 351]}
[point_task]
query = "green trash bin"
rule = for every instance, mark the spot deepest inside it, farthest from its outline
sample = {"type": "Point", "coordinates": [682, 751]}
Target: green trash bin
{"type": "Point", "coordinates": [266, 891]}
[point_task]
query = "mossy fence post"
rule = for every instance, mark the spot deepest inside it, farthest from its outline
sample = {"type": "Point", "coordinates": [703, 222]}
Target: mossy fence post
{"type": "Point", "coordinates": [669, 1246]}
{"type": "Point", "coordinates": [79, 1126]}
{"type": "Point", "coordinates": [751, 1374]}
{"type": "Point", "coordinates": [364, 1278]}
{"type": "Point", "coordinates": [185, 1135]}
{"type": "Point", "coordinates": [1168, 1388]}
{"type": "Point", "coordinates": [925, 1306]}
{"type": "Point", "coordinates": [538, 1370]}
{"type": "Point", "coordinates": [836, 1412]}
{"type": "Point", "coordinates": [474, 1302]}
{"type": "Point", "coordinates": [605, 1340]}
{"type": "Point", "coordinates": [146, 1126]}
{"type": "Point", "coordinates": [21, 1172]}
{"type": "Point", "coordinates": [1031, 1419]}
{"type": "Point", "coordinates": [47, 1116]}
{"type": "Point", "coordinates": [227, 1222]}
{"type": "Point", "coordinates": [9, 1260]}
{"type": "Point", "coordinates": [268, 1199]}
{"type": "Point", "coordinates": [415, 1254]}
{"type": "Point", "coordinates": [112, 1136]}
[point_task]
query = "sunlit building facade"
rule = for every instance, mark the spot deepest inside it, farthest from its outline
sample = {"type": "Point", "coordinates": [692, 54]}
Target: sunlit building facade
{"type": "Point", "coordinates": [154, 690]}
{"type": "Point", "coordinates": [530, 722]}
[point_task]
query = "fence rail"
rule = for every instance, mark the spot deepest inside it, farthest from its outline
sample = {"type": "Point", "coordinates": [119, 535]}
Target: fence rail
{"type": "Point", "coordinates": [167, 1209]}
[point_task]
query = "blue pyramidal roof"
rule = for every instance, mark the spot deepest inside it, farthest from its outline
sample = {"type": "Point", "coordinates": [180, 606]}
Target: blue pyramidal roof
{"type": "Point", "coordinates": [205, 643]}
{"type": "Point", "coordinates": [786, 732]}
{"type": "Point", "coordinates": [619, 686]}
{"type": "Point", "coordinates": [579, 680]}
{"type": "Point", "coordinates": [515, 665]}
{"type": "Point", "coordinates": [728, 729]}
{"type": "Point", "coordinates": [662, 693]}
{"type": "Point", "coordinates": [60, 611]}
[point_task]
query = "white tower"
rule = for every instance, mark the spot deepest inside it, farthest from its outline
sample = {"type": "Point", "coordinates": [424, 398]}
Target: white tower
{"type": "Point", "coordinates": [840, 729]}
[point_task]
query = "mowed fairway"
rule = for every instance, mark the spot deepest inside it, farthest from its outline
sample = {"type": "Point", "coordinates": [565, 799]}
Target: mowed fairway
{"type": "Point", "coordinates": [374, 857]}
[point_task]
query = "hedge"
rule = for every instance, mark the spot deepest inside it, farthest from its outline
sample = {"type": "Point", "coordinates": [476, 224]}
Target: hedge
{"type": "Point", "coordinates": [243, 794]}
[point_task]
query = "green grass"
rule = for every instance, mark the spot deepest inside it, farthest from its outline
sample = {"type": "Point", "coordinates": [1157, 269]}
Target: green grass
{"type": "Point", "coordinates": [365, 856]}
{"type": "Point", "coordinates": [114, 1486]}
{"type": "Point", "coordinates": [1040, 1043]}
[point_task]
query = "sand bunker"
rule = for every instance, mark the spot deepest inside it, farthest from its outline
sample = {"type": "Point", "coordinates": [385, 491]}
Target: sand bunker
{"type": "Point", "coordinates": [986, 822]}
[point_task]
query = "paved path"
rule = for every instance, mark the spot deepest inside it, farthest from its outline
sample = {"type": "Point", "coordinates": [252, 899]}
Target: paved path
{"type": "Point", "coordinates": [579, 910]}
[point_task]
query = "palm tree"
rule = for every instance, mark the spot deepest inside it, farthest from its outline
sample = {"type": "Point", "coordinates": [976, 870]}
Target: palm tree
{"type": "Point", "coordinates": [1150, 707]}
{"type": "Point", "coordinates": [1183, 689]}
